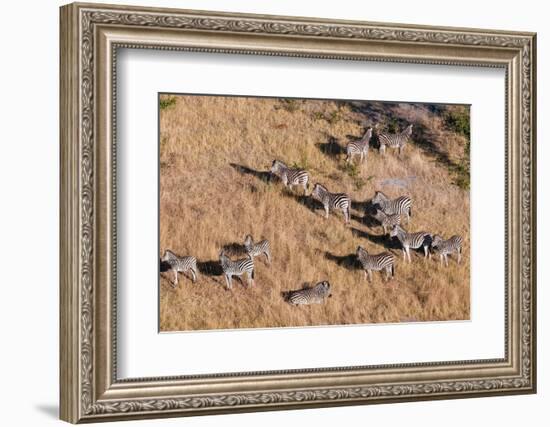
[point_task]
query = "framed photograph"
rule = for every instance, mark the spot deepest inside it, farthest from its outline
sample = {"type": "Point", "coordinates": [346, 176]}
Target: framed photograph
{"type": "Point", "coordinates": [265, 212]}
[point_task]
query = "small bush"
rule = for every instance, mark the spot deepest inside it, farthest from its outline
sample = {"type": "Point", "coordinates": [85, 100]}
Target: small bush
{"type": "Point", "coordinates": [167, 101]}
{"type": "Point", "coordinates": [458, 120]}
{"type": "Point", "coordinates": [289, 104]}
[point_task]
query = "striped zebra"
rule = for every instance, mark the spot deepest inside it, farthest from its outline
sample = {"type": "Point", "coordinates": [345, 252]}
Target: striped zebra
{"type": "Point", "coordinates": [387, 221]}
{"type": "Point", "coordinates": [330, 201]}
{"type": "Point", "coordinates": [289, 176]}
{"type": "Point", "coordinates": [447, 247]}
{"type": "Point", "coordinates": [256, 249]}
{"type": "Point", "coordinates": [378, 262]}
{"type": "Point", "coordinates": [315, 295]}
{"type": "Point", "coordinates": [394, 140]}
{"type": "Point", "coordinates": [400, 205]}
{"type": "Point", "coordinates": [412, 240]}
{"type": "Point", "coordinates": [237, 268]}
{"type": "Point", "coordinates": [359, 147]}
{"type": "Point", "coordinates": [180, 264]}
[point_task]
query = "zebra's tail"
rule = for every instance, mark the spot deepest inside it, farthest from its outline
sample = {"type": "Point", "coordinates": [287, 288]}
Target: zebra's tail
{"type": "Point", "coordinates": [393, 270]}
{"type": "Point", "coordinates": [410, 212]}
{"type": "Point", "coordinates": [252, 274]}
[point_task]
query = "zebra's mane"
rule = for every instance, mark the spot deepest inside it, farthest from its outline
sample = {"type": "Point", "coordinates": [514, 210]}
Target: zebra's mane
{"type": "Point", "coordinates": [321, 186]}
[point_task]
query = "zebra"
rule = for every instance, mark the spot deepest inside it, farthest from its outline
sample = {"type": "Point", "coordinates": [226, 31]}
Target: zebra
{"type": "Point", "coordinates": [412, 240]}
{"type": "Point", "coordinates": [237, 268]}
{"type": "Point", "coordinates": [447, 247]}
{"type": "Point", "coordinates": [256, 249]}
{"type": "Point", "coordinates": [387, 220]}
{"type": "Point", "coordinates": [378, 262]}
{"type": "Point", "coordinates": [315, 295]}
{"type": "Point", "coordinates": [180, 264]}
{"type": "Point", "coordinates": [394, 140]}
{"type": "Point", "coordinates": [359, 147]}
{"type": "Point", "coordinates": [400, 205]}
{"type": "Point", "coordinates": [330, 200]}
{"type": "Point", "coordinates": [289, 176]}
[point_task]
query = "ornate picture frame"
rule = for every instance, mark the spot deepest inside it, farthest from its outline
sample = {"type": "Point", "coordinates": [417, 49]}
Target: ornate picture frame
{"type": "Point", "coordinates": [90, 37]}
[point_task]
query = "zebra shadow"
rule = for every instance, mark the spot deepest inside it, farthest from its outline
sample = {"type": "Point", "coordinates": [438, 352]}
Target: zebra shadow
{"type": "Point", "coordinates": [164, 266]}
{"type": "Point", "coordinates": [210, 268]}
{"type": "Point", "coordinates": [310, 203]}
{"type": "Point", "coordinates": [364, 206]}
{"type": "Point", "coordinates": [234, 249]}
{"type": "Point", "coordinates": [349, 262]}
{"type": "Point", "coordinates": [378, 239]}
{"type": "Point", "coordinates": [331, 148]}
{"type": "Point", "coordinates": [264, 176]}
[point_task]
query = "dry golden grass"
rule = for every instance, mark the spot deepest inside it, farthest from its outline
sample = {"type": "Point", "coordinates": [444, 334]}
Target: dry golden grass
{"type": "Point", "coordinates": [214, 152]}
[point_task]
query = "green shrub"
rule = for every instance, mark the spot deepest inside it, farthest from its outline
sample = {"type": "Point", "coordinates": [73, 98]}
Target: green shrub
{"type": "Point", "coordinates": [289, 104]}
{"type": "Point", "coordinates": [458, 120]}
{"type": "Point", "coordinates": [167, 101]}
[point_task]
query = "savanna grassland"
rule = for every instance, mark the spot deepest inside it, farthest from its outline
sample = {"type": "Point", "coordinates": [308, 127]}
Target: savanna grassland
{"type": "Point", "coordinates": [215, 154]}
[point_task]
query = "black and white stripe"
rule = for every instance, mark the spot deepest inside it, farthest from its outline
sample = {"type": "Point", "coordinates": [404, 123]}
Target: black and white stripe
{"type": "Point", "coordinates": [290, 177]}
{"type": "Point", "coordinates": [412, 240]}
{"type": "Point", "coordinates": [394, 140]}
{"type": "Point", "coordinates": [387, 221]}
{"type": "Point", "coordinates": [400, 205]}
{"type": "Point", "coordinates": [330, 201]}
{"type": "Point", "coordinates": [447, 247]}
{"type": "Point", "coordinates": [360, 147]}
{"type": "Point", "coordinates": [180, 264]}
{"type": "Point", "coordinates": [259, 248]}
{"type": "Point", "coordinates": [237, 268]}
{"type": "Point", "coordinates": [378, 262]}
{"type": "Point", "coordinates": [315, 295]}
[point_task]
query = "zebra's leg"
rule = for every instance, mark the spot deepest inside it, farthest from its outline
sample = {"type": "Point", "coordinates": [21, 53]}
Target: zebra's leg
{"type": "Point", "coordinates": [441, 259]}
{"type": "Point", "coordinates": [404, 254]}
{"type": "Point", "coordinates": [385, 229]}
{"type": "Point", "coordinates": [426, 252]}
{"type": "Point", "coordinates": [370, 275]}
{"type": "Point", "coordinates": [409, 254]}
{"type": "Point", "coordinates": [326, 211]}
{"type": "Point", "coordinates": [347, 215]}
{"type": "Point", "coordinates": [459, 254]}
{"type": "Point", "coordinates": [268, 257]}
{"type": "Point", "coordinates": [175, 277]}
{"type": "Point", "coordinates": [250, 279]}
{"type": "Point", "coordinates": [194, 273]}
{"type": "Point", "coordinates": [228, 281]}
{"type": "Point", "coordinates": [446, 261]}
{"type": "Point", "coordinates": [366, 274]}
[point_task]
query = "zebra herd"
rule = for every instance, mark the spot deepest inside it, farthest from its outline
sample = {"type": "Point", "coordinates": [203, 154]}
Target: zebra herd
{"type": "Point", "coordinates": [388, 212]}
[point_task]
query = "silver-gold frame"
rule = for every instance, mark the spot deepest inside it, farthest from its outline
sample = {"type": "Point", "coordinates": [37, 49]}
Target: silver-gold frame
{"type": "Point", "coordinates": [90, 37]}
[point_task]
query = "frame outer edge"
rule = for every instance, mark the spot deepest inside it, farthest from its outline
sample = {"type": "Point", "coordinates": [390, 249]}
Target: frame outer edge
{"type": "Point", "coordinates": [77, 341]}
{"type": "Point", "coordinates": [69, 225]}
{"type": "Point", "coordinates": [534, 272]}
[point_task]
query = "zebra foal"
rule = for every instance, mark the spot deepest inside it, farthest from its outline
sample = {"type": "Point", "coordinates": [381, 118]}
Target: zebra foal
{"type": "Point", "coordinates": [340, 201]}
{"type": "Point", "coordinates": [400, 205]}
{"type": "Point", "coordinates": [394, 140]}
{"type": "Point", "coordinates": [315, 295]}
{"type": "Point", "coordinates": [412, 240]}
{"type": "Point", "coordinates": [289, 176]}
{"type": "Point", "coordinates": [180, 264]}
{"type": "Point", "coordinates": [387, 221]}
{"type": "Point", "coordinates": [237, 268]}
{"type": "Point", "coordinates": [378, 262]}
{"type": "Point", "coordinates": [360, 147]}
{"type": "Point", "coordinates": [447, 247]}
{"type": "Point", "coordinates": [256, 249]}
